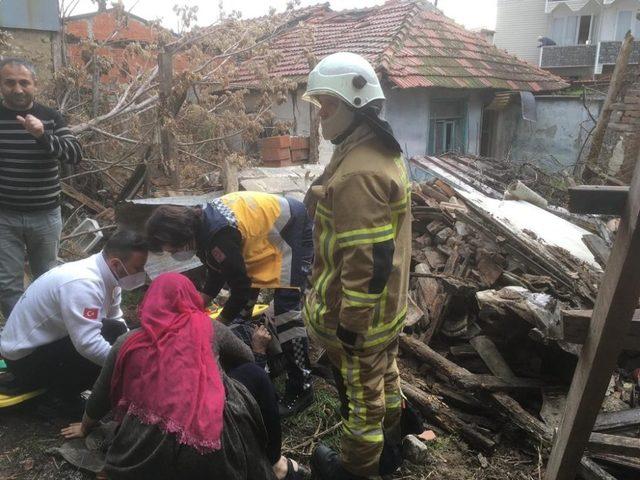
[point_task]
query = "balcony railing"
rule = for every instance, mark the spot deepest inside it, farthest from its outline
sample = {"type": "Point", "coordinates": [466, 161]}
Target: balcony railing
{"type": "Point", "coordinates": [577, 56]}
{"type": "Point", "coordinates": [570, 56]}
{"type": "Point", "coordinates": [609, 53]}
{"type": "Point", "coordinates": [551, 4]}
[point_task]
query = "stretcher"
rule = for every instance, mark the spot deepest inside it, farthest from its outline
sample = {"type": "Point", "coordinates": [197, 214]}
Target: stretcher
{"type": "Point", "coordinates": [258, 309]}
{"type": "Point", "coordinates": [9, 400]}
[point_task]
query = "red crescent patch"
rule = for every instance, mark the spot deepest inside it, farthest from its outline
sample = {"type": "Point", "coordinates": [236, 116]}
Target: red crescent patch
{"type": "Point", "coordinates": [90, 313]}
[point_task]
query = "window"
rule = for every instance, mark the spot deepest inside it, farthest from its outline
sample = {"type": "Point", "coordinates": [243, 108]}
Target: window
{"type": "Point", "coordinates": [573, 30]}
{"type": "Point", "coordinates": [570, 30]}
{"type": "Point", "coordinates": [557, 30]}
{"type": "Point", "coordinates": [584, 29]}
{"type": "Point", "coordinates": [626, 21]}
{"type": "Point", "coordinates": [447, 132]}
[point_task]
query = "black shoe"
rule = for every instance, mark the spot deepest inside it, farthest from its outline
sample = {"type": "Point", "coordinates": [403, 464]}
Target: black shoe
{"type": "Point", "coordinates": [325, 465]}
{"type": "Point", "coordinates": [294, 403]}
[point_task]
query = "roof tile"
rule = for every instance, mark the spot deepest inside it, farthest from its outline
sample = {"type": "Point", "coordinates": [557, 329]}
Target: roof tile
{"type": "Point", "coordinates": [411, 45]}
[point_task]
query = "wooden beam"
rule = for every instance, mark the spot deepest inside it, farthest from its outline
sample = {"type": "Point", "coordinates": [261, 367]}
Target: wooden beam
{"type": "Point", "coordinates": [168, 152]}
{"type": "Point", "coordinates": [614, 420]}
{"type": "Point", "coordinates": [614, 307]}
{"type": "Point", "coordinates": [598, 199]}
{"type": "Point", "coordinates": [535, 428]}
{"type": "Point", "coordinates": [461, 377]}
{"type": "Point", "coordinates": [598, 247]}
{"type": "Point", "coordinates": [619, 460]}
{"type": "Point", "coordinates": [230, 176]}
{"type": "Point", "coordinates": [437, 412]}
{"type": "Point", "coordinates": [88, 202]}
{"type": "Point", "coordinates": [614, 444]}
{"type": "Point", "coordinates": [575, 328]}
{"type": "Point", "coordinates": [492, 358]}
{"type": "Point", "coordinates": [314, 123]}
{"type": "Point", "coordinates": [590, 470]}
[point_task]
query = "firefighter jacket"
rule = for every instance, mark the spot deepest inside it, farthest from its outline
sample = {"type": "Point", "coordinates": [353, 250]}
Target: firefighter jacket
{"type": "Point", "coordinates": [362, 239]}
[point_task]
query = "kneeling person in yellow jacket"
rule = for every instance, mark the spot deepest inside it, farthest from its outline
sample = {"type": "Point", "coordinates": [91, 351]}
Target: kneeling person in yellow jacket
{"type": "Point", "coordinates": [249, 241]}
{"type": "Point", "coordinates": [362, 239]}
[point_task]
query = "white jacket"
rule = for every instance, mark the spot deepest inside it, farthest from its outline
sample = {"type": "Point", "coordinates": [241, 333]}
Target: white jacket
{"type": "Point", "coordinates": [69, 300]}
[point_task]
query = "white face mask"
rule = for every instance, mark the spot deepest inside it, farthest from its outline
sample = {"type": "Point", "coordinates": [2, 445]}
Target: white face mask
{"type": "Point", "coordinates": [337, 123]}
{"type": "Point", "coordinates": [183, 255]}
{"type": "Point", "coordinates": [131, 282]}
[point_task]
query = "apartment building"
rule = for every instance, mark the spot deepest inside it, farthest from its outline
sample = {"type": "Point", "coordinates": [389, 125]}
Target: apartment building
{"type": "Point", "coordinates": [586, 33]}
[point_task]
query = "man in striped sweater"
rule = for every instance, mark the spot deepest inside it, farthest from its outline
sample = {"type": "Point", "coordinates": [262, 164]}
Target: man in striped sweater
{"type": "Point", "coordinates": [33, 140]}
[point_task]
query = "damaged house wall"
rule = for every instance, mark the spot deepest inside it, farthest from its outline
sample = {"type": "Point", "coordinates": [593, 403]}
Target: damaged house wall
{"type": "Point", "coordinates": [553, 142]}
{"type": "Point", "coordinates": [410, 113]}
{"type": "Point", "coordinates": [413, 114]}
{"type": "Point", "coordinates": [622, 138]}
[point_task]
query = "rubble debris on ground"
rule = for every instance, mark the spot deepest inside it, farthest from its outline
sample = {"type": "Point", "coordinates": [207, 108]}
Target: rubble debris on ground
{"type": "Point", "coordinates": [501, 293]}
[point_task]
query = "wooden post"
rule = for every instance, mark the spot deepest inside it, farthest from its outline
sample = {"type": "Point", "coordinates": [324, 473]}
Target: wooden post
{"type": "Point", "coordinates": [314, 126]}
{"type": "Point", "coordinates": [617, 299]}
{"type": "Point", "coordinates": [95, 85]}
{"type": "Point", "coordinates": [617, 79]}
{"type": "Point", "coordinates": [230, 176]}
{"type": "Point", "coordinates": [167, 138]}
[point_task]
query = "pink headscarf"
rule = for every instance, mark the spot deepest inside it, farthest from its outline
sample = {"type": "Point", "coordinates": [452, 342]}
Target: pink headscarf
{"type": "Point", "coordinates": [165, 373]}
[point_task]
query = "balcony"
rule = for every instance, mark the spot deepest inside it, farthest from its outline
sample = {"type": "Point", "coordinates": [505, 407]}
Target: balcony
{"type": "Point", "coordinates": [609, 53]}
{"type": "Point", "coordinates": [577, 56]}
{"type": "Point", "coordinates": [569, 56]}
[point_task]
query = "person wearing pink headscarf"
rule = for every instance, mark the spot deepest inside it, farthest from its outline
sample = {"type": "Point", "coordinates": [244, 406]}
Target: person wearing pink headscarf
{"type": "Point", "coordinates": [179, 415]}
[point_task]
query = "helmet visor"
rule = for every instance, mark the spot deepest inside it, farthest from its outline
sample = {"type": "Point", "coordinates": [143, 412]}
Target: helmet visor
{"type": "Point", "coordinates": [311, 98]}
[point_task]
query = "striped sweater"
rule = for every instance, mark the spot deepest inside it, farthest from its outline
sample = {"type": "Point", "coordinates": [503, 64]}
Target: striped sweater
{"type": "Point", "coordinates": [29, 177]}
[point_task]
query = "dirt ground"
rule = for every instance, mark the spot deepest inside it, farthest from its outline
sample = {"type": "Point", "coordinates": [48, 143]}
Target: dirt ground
{"type": "Point", "coordinates": [26, 437]}
{"type": "Point", "coordinates": [27, 434]}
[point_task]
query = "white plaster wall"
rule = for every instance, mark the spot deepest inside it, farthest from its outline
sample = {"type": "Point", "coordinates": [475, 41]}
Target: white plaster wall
{"type": "Point", "coordinates": [554, 141]}
{"type": "Point", "coordinates": [519, 23]}
{"type": "Point", "coordinates": [407, 111]}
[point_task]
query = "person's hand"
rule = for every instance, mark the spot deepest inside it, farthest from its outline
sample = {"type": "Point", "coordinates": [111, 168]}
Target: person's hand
{"type": "Point", "coordinates": [206, 299]}
{"type": "Point", "coordinates": [32, 125]}
{"type": "Point", "coordinates": [74, 430]}
{"type": "Point", "coordinates": [260, 339]}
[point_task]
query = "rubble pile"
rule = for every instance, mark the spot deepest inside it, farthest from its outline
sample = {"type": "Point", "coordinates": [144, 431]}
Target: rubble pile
{"type": "Point", "coordinates": [500, 299]}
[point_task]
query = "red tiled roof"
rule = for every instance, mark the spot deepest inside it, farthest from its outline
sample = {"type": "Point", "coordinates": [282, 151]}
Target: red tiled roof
{"type": "Point", "coordinates": [410, 44]}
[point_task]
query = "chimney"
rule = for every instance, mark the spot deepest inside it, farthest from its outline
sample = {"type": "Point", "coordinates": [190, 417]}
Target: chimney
{"type": "Point", "coordinates": [102, 5]}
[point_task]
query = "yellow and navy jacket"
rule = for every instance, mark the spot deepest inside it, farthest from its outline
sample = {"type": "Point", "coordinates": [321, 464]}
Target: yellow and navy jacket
{"type": "Point", "coordinates": [362, 239]}
{"type": "Point", "coordinates": [251, 240]}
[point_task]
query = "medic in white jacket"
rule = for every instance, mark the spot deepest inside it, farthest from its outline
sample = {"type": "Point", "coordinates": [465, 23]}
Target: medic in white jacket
{"type": "Point", "coordinates": [73, 300]}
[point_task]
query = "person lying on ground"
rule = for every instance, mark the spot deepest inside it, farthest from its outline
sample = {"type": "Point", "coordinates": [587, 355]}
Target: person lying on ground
{"type": "Point", "coordinates": [180, 416]}
{"type": "Point", "coordinates": [60, 332]}
{"type": "Point", "coordinates": [250, 240]}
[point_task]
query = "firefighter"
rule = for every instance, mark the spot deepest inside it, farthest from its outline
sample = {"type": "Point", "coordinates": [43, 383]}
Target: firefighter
{"type": "Point", "coordinates": [362, 240]}
{"type": "Point", "coordinates": [250, 241]}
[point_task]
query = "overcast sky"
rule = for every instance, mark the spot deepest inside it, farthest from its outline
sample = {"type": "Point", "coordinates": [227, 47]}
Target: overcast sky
{"type": "Point", "coordinates": [470, 13]}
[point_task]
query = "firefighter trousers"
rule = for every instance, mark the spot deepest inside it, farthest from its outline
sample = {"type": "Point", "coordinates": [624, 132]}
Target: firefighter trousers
{"type": "Point", "coordinates": [369, 390]}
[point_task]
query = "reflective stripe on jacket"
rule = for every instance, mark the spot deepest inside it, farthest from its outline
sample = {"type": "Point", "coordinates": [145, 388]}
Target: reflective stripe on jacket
{"type": "Point", "coordinates": [260, 219]}
{"type": "Point", "coordinates": [362, 238]}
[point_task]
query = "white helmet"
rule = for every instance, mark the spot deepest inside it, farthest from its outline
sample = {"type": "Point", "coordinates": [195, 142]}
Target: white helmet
{"type": "Point", "coordinates": [347, 76]}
